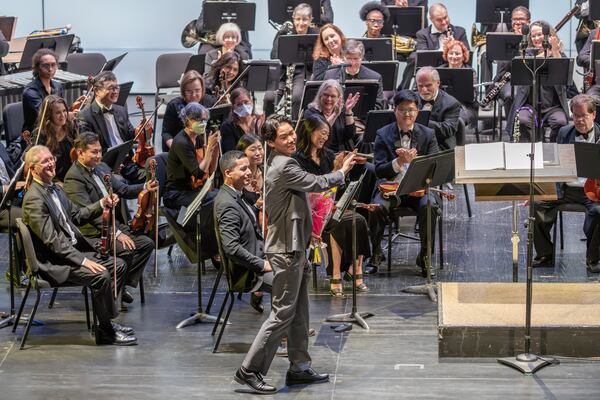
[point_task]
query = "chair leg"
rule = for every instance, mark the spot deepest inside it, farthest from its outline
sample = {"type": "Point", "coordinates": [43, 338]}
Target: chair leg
{"type": "Point", "coordinates": [314, 275]}
{"type": "Point", "coordinates": [240, 294]}
{"type": "Point", "coordinates": [142, 293]}
{"type": "Point", "coordinates": [554, 232]}
{"type": "Point", "coordinates": [30, 320]}
{"type": "Point", "coordinates": [562, 233]}
{"type": "Point", "coordinates": [224, 324]}
{"type": "Point", "coordinates": [389, 249]}
{"type": "Point", "coordinates": [170, 251]}
{"type": "Point", "coordinates": [440, 240]}
{"type": "Point", "coordinates": [53, 298]}
{"type": "Point", "coordinates": [214, 330]}
{"type": "Point", "coordinates": [214, 290]}
{"type": "Point", "coordinates": [20, 312]}
{"type": "Point", "coordinates": [87, 308]}
{"type": "Point", "coordinates": [468, 200]}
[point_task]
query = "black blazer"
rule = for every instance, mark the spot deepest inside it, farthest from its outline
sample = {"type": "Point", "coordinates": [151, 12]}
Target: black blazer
{"type": "Point", "coordinates": [341, 136]}
{"type": "Point", "coordinates": [241, 239]}
{"type": "Point", "coordinates": [427, 41]}
{"type": "Point", "coordinates": [54, 250]}
{"type": "Point", "coordinates": [567, 134]}
{"type": "Point", "coordinates": [363, 73]}
{"type": "Point", "coordinates": [444, 119]}
{"type": "Point", "coordinates": [584, 56]}
{"type": "Point", "coordinates": [423, 139]}
{"type": "Point", "coordinates": [94, 121]}
{"type": "Point", "coordinates": [33, 97]}
{"type": "Point", "coordinates": [82, 189]}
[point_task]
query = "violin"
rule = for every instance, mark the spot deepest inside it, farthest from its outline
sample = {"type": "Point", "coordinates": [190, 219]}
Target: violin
{"type": "Point", "coordinates": [143, 134]}
{"type": "Point", "coordinates": [388, 189]}
{"type": "Point", "coordinates": [197, 183]}
{"type": "Point", "coordinates": [145, 216]}
{"type": "Point", "coordinates": [592, 189]}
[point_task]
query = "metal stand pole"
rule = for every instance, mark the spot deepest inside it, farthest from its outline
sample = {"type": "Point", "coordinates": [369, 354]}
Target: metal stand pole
{"type": "Point", "coordinates": [12, 268]}
{"type": "Point", "coordinates": [515, 241]}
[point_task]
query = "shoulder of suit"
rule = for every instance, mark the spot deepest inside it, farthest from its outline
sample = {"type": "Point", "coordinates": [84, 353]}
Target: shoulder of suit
{"type": "Point", "coordinates": [422, 129]}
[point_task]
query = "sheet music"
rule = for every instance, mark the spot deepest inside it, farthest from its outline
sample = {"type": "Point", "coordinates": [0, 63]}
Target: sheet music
{"type": "Point", "coordinates": [516, 155]}
{"type": "Point", "coordinates": [484, 156]}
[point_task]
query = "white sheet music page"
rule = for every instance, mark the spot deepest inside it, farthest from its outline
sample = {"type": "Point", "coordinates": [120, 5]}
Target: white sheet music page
{"type": "Point", "coordinates": [516, 155]}
{"type": "Point", "coordinates": [484, 156]}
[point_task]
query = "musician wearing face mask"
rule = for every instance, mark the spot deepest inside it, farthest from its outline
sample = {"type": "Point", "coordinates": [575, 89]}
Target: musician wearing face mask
{"type": "Point", "coordinates": [242, 120]}
{"type": "Point", "coordinates": [583, 129]}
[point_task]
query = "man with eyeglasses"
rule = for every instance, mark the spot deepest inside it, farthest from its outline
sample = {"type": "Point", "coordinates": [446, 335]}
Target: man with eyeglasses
{"type": "Point", "coordinates": [45, 65]}
{"type": "Point", "coordinates": [110, 122]}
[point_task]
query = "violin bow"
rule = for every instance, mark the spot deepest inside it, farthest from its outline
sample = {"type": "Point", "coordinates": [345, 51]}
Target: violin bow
{"type": "Point", "coordinates": [37, 139]}
{"type": "Point", "coordinates": [107, 182]}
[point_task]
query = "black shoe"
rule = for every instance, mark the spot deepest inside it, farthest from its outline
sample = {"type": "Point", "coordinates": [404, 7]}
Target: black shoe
{"type": "Point", "coordinates": [254, 381]}
{"type": "Point", "coordinates": [593, 266]}
{"type": "Point", "coordinates": [126, 297]}
{"type": "Point", "coordinates": [117, 339]}
{"type": "Point", "coordinates": [542, 262]}
{"type": "Point", "coordinates": [256, 303]}
{"type": "Point", "coordinates": [124, 329]}
{"type": "Point", "coordinates": [305, 377]}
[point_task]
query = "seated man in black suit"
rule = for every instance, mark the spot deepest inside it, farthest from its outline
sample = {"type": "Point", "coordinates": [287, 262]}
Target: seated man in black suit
{"type": "Point", "coordinates": [444, 108]}
{"type": "Point", "coordinates": [583, 129]}
{"type": "Point", "coordinates": [110, 122]}
{"type": "Point", "coordinates": [353, 52]}
{"type": "Point", "coordinates": [64, 254]}
{"type": "Point", "coordinates": [84, 185]}
{"type": "Point", "coordinates": [396, 145]}
{"type": "Point", "coordinates": [237, 224]}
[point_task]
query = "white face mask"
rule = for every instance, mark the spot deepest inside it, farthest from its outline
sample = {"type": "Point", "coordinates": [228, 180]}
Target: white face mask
{"type": "Point", "coordinates": [244, 110]}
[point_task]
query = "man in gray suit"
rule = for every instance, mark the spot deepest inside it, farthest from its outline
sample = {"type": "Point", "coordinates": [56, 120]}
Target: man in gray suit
{"type": "Point", "coordinates": [289, 231]}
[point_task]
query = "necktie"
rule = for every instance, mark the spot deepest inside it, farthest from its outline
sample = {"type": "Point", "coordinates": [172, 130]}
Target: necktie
{"type": "Point", "coordinates": [107, 111]}
{"type": "Point", "coordinates": [586, 135]}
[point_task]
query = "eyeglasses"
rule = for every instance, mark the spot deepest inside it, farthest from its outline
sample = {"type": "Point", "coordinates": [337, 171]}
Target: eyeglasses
{"type": "Point", "coordinates": [46, 162]}
{"type": "Point", "coordinates": [302, 19]}
{"type": "Point", "coordinates": [115, 88]}
{"type": "Point", "coordinates": [407, 111]}
{"type": "Point", "coordinates": [49, 65]}
{"type": "Point", "coordinates": [375, 21]}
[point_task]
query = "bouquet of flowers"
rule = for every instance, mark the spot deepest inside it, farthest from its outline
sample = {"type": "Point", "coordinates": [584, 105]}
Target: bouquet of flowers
{"type": "Point", "coordinates": [321, 205]}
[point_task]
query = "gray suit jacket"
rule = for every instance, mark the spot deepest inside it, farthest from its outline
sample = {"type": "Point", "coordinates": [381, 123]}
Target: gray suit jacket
{"type": "Point", "coordinates": [286, 202]}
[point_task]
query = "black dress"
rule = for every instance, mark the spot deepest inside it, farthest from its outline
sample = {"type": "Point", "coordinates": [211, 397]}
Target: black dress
{"type": "Point", "coordinates": [341, 231]}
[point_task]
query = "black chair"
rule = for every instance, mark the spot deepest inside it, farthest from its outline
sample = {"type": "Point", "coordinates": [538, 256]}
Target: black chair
{"type": "Point", "coordinates": [88, 64]}
{"type": "Point", "coordinates": [36, 281]}
{"type": "Point", "coordinates": [13, 119]}
{"type": "Point", "coordinates": [558, 226]}
{"type": "Point", "coordinates": [461, 141]}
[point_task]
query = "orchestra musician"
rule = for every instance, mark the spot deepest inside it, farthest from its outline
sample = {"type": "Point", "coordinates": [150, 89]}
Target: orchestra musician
{"type": "Point", "coordinates": [583, 129]}
{"type": "Point", "coordinates": [375, 15]}
{"type": "Point", "coordinates": [242, 120]}
{"type": "Point", "coordinates": [584, 60]}
{"type": "Point", "coordinates": [315, 158]}
{"type": "Point", "coordinates": [229, 37]}
{"type": "Point", "coordinates": [328, 50]}
{"type": "Point", "coordinates": [396, 145]}
{"type": "Point", "coordinates": [554, 106]}
{"type": "Point", "coordinates": [64, 255]}
{"type": "Point", "coordinates": [208, 42]}
{"type": "Point", "coordinates": [405, 3]}
{"type": "Point", "coordinates": [84, 185]}
{"type": "Point", "coordinates": [222, 75]}
{"type": "Point", "coordinates": [288, 237]}
{"type": "Point", "coordinates": [191, 90]}
{"type": "Point", "coordinates": [110, 122]}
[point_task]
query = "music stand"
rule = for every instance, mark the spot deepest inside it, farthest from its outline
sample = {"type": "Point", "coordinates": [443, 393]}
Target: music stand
{"type": "Point", "coordinates": [587, 157]}
{"type": "Point", "coordinates": [185, 215]}
{"type": "Point", "coordinates": [429, 58]}
{"type": "Point", "coordinates": [425, 172]}
{"type": "Point", "coordinates": [6, 204]}
{"type": "Point", "coordinates": [502, 46]}
{"type": "Point", "coordinates": [111, 64]}
{"type": "Point", "coordinates": [115, 155]}
{"type": "Point", "coordinates": [594, 6]}
{"type": "Point", "coordinates": [262, 75]}
{"type": "Point", "coordinates": [281, 11]}
{"type": "Point", "coordinates": [7, 26]}
{"type": "Point", "coordinates": [368, 95]}
{"type": "Point", "coordinates": [296, 49]}
{"type": "Point", "coordinates": [377, 119]}
{"type": "Point", "coordinates": [404, 21]}
{"type": "Point", "coordinates": [217, 13]}
{"type": "Point", "coordinates": [347, 202]}
{"type": "Point", "coordinates": [218, 114]}
{"type": "Point", "coordinates": [553, 71]}
{"type": "Point", "coordinates": [494, 11]}
{"type": "Point", "coordinates": [125, 89]}
{"type": "Point", "coordinates": [196, 63]}
{"type": "Point", "coordinates": [594, 54]}
{"type": "Point", "coordinates": [458, 82]}
{"type": "Point", "coordinates": [59, 44]}
{"type": "Point", "coordinates": [388, 71]}
{"type": "Point", "coordinates": [377, 49]}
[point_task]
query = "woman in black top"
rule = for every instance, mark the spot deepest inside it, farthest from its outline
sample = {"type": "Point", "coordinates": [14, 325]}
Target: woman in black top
{"type": "Point", "coordinates": [328, 50]}
{"type": "Point", "coordinates": [315, 158]}
{"type": "Point", "coordinates": [191, 90]}
{"type": "Point", "coordinates": [229, 37]}
{"type": "Point", "coordinates": [242, 120]}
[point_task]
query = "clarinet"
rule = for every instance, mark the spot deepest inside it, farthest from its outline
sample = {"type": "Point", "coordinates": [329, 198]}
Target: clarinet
{"type": "Point", "coordinates": [491, 96]}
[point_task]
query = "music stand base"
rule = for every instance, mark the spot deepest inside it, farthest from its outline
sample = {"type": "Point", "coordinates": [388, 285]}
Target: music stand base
{"type": "Point", "coordinates": [198, 318]}
{"type": "Point", "coordinates": [357, 318]}
{"type": "Point", "coordinates": [428, 289]}
{"type": "Point", "coordinates": [526, 363]}
{"type": "Point", "coordinates": [8, 321]}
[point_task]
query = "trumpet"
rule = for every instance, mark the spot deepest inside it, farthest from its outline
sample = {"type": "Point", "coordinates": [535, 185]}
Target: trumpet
{"type": "Point", "coordinates": [404, 44]}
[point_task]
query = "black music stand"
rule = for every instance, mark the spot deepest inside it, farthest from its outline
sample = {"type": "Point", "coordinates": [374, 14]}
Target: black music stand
{"type": "Point", "coordinates": [115, 155]}
{"type": "Point", "coordinates": [377, 49]}
{"type": "Point", "coordinates": [296, 49]}
{"type": "Point", "coordinates": [404, 21]}
{"type": "Point", "coordinates": [594, 9]}
{"type": "Point", "coordinates": [347, 202]}
{"type": "Point", "coordinates": [262, 75]}
{"type": "Point", "coordinates": [196, 63]}
{"type": "Point", "coordinates": [217, 13]}
{"type": "Point", "coordinates": [59, 44]}
{"type": "Point", "coordinates": [429, 58]}
{"type": "Point", "coordinates": [377, 119]}
{"type": "Point", "coordinates": [281, 11]}
{"type": "Point", "coordinates": [185, 216]}
{"type": "Point", "coordinates": [124, 90]}
{"type": "Point", "coordinates": [587, 157]}
{"type": "Point", "coordinates": [218, 114]}
{"type": "Point", "coordinates": [458, 82]}
{"type": "Point", "coordinates": [6, 204]}
{"type": "Point", "coordinates": [502, 46]}
{"type": "Point", "coordinates": [496, 11]}
{"type": "Point", "coordinates": [426, 172]}
{"type": "Point", "coordinates": [594, 54]}
{"type": "Point", "coordinates": [111, 64]}
{"type": "Point", "coordinates": [388, 71]}
{"type": "Point", "coordinates": [368, 95]}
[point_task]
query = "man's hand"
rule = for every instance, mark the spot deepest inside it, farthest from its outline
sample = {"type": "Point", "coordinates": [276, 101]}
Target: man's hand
{"type": "Point", "coordinates": [126, 241]}
{"type": "Point", "coordinates": [109, 201]}
{"type": "Point", "coordinates": [151, 186]}
{"type": "Point", "coordinates": [406, 156]}
{"type": "Point", "coordinates": [93, 266]}
{"type": "Point", "coordinates": [267, 267]}
{"type": "Point", "coordinates": [401, 3]}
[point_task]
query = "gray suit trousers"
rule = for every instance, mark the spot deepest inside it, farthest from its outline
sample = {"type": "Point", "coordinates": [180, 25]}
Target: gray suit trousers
{"type": "Point", "coordinates": [288, 317]}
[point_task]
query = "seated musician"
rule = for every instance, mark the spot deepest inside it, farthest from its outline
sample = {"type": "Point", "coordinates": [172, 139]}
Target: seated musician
{"type": "Point", "coordinates": [353, 53]}
{"type": "Point", "coordinates": [240, 231]}
{"type": "Point", "coordinates": [242, 120]}
{"type": "Point", "coordinates": [110, 122]}
{"type": "Point", "coordinates": [64, 254]}
{"type": "Point", "coordinates": [57, 132]}
{"type": "Point", "coordinates": [445, 109]}
{"type": "Point", "coordinates": [457, 55]}
{"type": "Point", "coordinates": [374, 14]}
{"type": "Point", "coordinates": [222, 75]}
{"type": "Point", "coordinates": [4, 47]}
{"type": "Point", "coordinates": [328, 50]}
{"type": "Point", "coordinates": [316, 159]}
{"type": "Point", "coordinates": [84, 185]}
{"type": "Point", "coordinates": [301, 19]}
{"type": "Point", "coordinates": [583, 129]}
{"type": "Point", "coordinates": [436, 35]}
{"type": "Point", "coordinates": [396, 145]}
{"type": "Point", "coordinates": [405, 3]}
{"type": "Point", "coordinates": [554, 108]}
{"type": "Point", "coordinates": [45, 65]}
{"type": "Point", "coordinates": [208, 42]}
{"type": "Point", "coordinates": [229, 38]}
{"type": "Point", "coordinates": [191, 90]}
{"type": "Point", "coordinates": [584, 59]}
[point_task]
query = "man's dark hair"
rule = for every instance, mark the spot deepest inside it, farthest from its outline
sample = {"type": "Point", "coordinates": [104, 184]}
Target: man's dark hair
{"type": "Point", "coordinates": [405, 95]}
{"type": "Point", "coordinates": [85, 139]}
{"type": "Point", "coordinates": [36, 60]}
{"type": "Point", "coordinates": [269, 128]}
{"type": "Point", "coordinates": [105, 76]}
{"type": "Point", "coordinates": [229, 159]}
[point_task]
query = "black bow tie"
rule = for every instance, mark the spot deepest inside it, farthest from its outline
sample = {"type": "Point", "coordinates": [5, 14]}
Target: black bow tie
{"type": "Point", "coordinates": [52, 189]}
{"type": "Point", "coordinates": [586, 135]}
{"type": "Point", "coordinates": [105, 110]}
{"type": "Point", "coordinates": [407, 133]}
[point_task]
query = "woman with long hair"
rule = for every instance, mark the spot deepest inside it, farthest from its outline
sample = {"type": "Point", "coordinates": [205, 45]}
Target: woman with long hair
{"type": "Point", "coordinates": [328, 50]}
{"type": "Point", "coordinates": [222, 75]}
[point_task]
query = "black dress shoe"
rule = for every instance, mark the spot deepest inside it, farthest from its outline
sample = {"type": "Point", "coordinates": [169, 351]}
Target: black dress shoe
{"type": "Point", "coordinates": [126, 297]}
{"type": "Point", "coordinates": [305, 377]}
{"type": "Point", "coordinates": [254, 381]}
{"type": "Point", "coordinates": [117, 339]}
{"type": "Point", "coordinates": [256, 303]}
{"type": "Point", "coordinates": [542, 262]}
{"type": "Point", "coordinates": [370, 269]}
{"type": "Point", "coordinates": [592, 266]}
{"type": "Point", "coordinates": [121, 328]}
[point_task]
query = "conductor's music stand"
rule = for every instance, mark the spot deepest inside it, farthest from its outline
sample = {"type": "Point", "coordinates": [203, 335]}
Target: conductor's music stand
{"type": "Point", "coordinates": [281, 11]}
{"type": "Point", "coordinates": [217, 13]}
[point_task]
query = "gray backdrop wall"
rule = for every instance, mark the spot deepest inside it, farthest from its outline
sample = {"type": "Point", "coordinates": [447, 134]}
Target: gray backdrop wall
{"type": "Point", "coordinates": [148, 28]}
